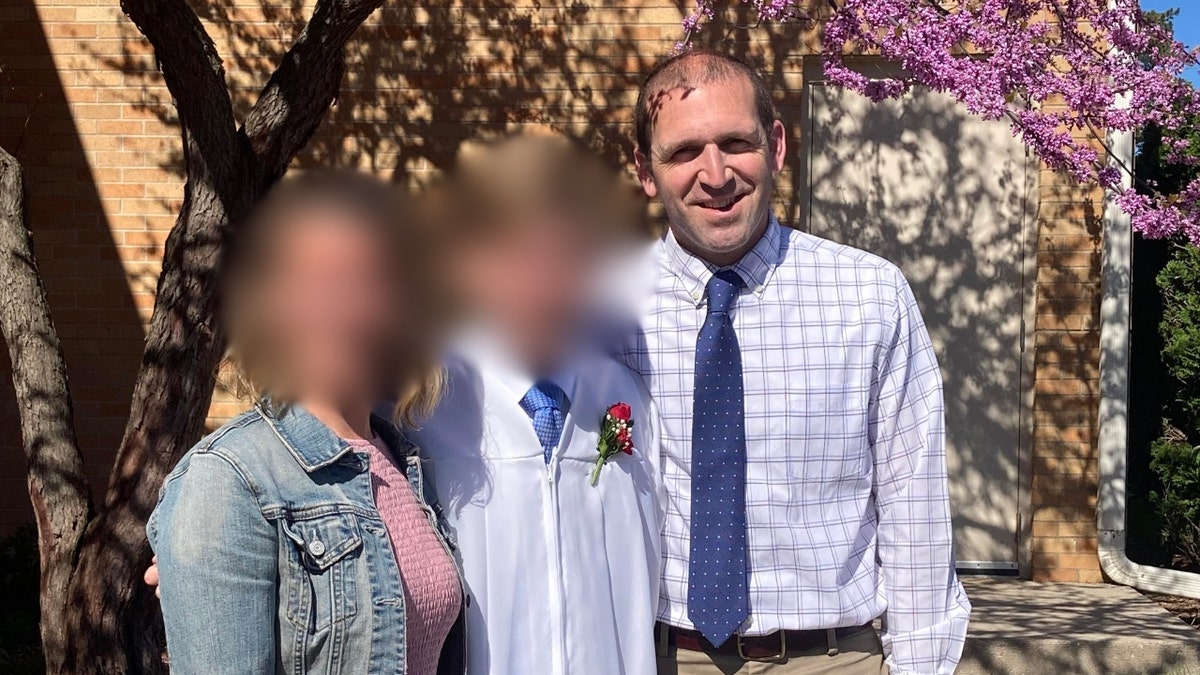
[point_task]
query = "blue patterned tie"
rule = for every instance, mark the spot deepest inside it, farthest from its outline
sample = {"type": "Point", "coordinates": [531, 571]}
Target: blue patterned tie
{"type": "Point", "coordinates": [718, 602]}
{"type": "Point", "coordinates": [546, 403]}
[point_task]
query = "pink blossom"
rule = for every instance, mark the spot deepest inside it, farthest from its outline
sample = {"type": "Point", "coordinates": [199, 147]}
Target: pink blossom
{"type": "Point", "coordinates": [1054, 69]}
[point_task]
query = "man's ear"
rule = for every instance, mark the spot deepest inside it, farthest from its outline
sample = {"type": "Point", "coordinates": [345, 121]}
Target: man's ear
{"type": "Point", "coordinates": [778, 147]}
{"type": "Point", "coordinates": [645, 177]}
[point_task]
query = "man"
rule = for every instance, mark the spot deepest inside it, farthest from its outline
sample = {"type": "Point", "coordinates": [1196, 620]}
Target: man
{"type": "Point", "coordinates": [803, 442]}
{"type": "Point", "coordinates": [559, 548]}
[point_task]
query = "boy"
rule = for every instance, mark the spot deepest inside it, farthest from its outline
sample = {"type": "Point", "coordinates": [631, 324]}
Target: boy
{"type": "Point", "coordinates": [557, 531]}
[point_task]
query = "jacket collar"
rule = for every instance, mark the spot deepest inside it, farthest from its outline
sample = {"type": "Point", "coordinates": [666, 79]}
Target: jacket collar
{"type": "Point", "coordinates": [314, 445]}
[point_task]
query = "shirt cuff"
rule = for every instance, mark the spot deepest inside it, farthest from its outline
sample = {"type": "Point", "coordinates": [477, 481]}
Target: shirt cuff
{"type": "Point", "coordinates": [931, 650]}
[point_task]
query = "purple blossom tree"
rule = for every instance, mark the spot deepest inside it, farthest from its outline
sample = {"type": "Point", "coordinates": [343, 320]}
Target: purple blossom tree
{"type": "Point", "coordinates": [1062, 72]}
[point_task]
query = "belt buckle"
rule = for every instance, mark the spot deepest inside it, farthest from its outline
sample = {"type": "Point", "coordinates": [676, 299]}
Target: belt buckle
{"type": "Point", "coordinates": [766, 659]}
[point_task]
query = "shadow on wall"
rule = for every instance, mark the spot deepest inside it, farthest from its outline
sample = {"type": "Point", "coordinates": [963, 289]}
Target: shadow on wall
{"type": "Point", "coordinates": [423, 77]}
{"type": "Point", "coordinates": [943, 197]}
{"type": "Point", "coordinates": [951, 200]}
{"type": "Point", "coordinates": [447, 73]}
{"type": "Point", "coordinates": [76, 245]}
{"type": "Point", "coordinates": [1066, 405]}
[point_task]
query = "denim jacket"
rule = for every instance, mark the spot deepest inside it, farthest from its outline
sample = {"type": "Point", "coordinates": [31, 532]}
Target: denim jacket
{"type": "Point", "coordinates": [274, 559]}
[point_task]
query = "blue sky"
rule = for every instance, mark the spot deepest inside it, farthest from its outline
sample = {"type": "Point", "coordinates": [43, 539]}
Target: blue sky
{"type": "Point", "coordinates": [1187, 24]}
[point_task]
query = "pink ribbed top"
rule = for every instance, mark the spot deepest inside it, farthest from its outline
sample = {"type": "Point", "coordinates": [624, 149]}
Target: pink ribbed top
{"type": "Point", "coordinates": [432, 595]}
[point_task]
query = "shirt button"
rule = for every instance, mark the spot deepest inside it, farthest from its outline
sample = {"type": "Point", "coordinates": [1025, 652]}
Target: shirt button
{"type": "Point", "coordinates": [317, 548]}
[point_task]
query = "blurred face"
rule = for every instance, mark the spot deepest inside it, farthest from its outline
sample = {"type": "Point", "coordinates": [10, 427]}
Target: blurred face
{"type": "Point", "coordinates": [531, 282]}
{"type": "Point", "coordinates": [330, 308]}
{"type": "Point", "coordinates": [713, 167]}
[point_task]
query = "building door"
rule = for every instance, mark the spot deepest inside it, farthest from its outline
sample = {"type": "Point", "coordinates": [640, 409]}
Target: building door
{"type": "Point", "coordinates": [946, 197]}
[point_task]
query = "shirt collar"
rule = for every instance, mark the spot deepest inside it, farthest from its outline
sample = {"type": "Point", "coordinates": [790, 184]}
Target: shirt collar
{"type": "Point", "coordinates": [487, 351]}
{"type": "Point", "coordinates": [756, 267]}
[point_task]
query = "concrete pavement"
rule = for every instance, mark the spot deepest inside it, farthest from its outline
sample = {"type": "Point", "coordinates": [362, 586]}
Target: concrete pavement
{"type": "Point", "coordinates": [1023, 627]}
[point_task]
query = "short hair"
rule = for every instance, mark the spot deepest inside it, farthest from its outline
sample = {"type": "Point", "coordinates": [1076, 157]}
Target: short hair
{"type": "Point", "coordinates": [691, 69]}
{"type": "Point", "coordinates": [498, 183]}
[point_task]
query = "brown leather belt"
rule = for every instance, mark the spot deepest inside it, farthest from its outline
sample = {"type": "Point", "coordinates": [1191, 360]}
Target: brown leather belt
{"type": "Point", "coordinates": [771, 647]}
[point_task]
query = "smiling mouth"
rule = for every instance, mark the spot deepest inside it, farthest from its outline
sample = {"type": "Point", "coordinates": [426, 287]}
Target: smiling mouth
{"type": "Point", "coordinates": [722, 205]}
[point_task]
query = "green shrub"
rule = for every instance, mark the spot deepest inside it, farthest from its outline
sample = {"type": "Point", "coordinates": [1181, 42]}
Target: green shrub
{"type": "Point", "coordinates": [1177, 464]}
{"type": "Point", "coordinates": [1175, 460]}
{"type": "Point", "coordinates": [1180, 285]}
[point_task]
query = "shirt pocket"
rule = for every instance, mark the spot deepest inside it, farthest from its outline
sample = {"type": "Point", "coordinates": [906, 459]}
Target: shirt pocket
{"type": "Point", "coordinates": [826, 438]}
{"type": "Point", "coordinates": [830, 464]}
{"type": "Point", "coordinates": [319, 574]}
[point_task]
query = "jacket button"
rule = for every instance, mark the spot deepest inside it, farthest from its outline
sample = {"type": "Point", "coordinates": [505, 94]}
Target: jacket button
{"type": "Point", "coordinates": [316, 548]}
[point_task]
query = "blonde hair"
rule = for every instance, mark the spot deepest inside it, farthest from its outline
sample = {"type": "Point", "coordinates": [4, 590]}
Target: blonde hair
{"type": "Point", "coordinates": [496, 183]}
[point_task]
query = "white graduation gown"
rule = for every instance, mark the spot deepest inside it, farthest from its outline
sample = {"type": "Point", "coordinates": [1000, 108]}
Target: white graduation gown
{"type": "Point", "coordinates": [563, 577]}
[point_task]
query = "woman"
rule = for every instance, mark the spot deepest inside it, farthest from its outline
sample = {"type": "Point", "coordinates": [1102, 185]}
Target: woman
{"type": "Point", "coordinates": [297, 538]}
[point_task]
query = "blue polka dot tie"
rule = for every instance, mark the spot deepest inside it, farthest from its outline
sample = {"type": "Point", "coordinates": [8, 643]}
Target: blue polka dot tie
{"type": "Point", "coordinates": [546, 403]}
{"type": "Point", "coordinates": [718, 602]}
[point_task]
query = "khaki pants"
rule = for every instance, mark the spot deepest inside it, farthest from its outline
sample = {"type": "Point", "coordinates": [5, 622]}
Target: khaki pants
{"type": "Point", "coordinates": [857, 654]}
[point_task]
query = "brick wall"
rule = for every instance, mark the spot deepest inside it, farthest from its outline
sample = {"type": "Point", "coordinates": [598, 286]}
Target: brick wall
{"type": "Point", "coordinates": [83, 108]}
{"type": "Point", "coordinates": [1066, 383]}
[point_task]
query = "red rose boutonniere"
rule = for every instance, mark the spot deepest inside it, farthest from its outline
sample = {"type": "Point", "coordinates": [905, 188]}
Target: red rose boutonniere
{"type": "Point", "coordinates": [616, 435]}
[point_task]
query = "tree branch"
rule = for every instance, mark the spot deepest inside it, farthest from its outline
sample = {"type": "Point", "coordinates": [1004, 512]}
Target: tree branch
{"type": "Point", "coordinates": [192, 71]}
{"type": "Point", "coordinates": [58, 486]}
{"type": "Point", "coordinates": [294, 101]}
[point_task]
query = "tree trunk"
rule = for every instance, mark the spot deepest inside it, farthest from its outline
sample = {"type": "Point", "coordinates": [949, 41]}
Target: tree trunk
{"type": "Point", "coordinates": [117, 617]}
{"type": "Point", "coordinates": [115, 626]}
{"type": "Point", "coordinates": [57, 484]}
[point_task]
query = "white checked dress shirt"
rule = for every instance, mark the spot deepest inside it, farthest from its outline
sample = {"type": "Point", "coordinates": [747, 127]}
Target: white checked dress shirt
{"type": "Point", "coordinates": [847, 504]}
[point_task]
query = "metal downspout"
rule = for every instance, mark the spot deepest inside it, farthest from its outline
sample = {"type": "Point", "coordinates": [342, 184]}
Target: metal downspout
{"type": "Point", "coordinates": [1114, 399]}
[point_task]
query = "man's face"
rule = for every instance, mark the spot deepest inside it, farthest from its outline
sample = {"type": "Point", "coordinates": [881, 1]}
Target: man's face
{"type": "Point", "coordinates": [713, 166]}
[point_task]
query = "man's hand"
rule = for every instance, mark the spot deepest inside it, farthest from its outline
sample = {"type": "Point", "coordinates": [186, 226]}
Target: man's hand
{"type": "Point", "coordinates": [151, 576]}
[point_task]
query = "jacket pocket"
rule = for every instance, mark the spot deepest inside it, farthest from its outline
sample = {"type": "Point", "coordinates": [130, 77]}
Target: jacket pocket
{"type": "Point", "coordinates": [319, 574]}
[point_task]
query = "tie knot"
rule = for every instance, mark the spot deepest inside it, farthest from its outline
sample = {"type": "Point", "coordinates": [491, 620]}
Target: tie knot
{"type": "Point", "coordinates": [544, 395]}
{"type": "Point", "coordinates": [723, 289]}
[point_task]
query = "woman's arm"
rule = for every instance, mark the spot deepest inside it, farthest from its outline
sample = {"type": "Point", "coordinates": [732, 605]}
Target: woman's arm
{"type": "Point", "coordinates": [217, 563]}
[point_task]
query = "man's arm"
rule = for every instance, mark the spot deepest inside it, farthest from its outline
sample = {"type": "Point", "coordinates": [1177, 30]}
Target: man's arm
{"type": "Point", "coordinates": [217, 565]}
{"type": "Point", "coordinates": [925, 624]}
